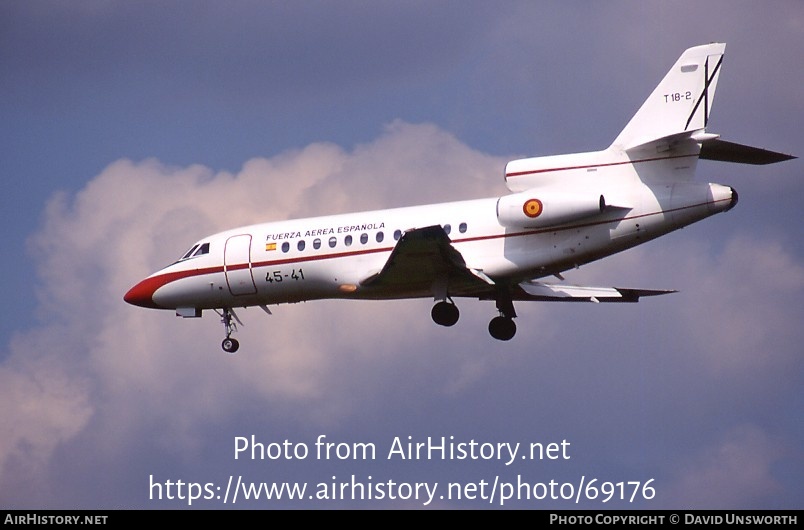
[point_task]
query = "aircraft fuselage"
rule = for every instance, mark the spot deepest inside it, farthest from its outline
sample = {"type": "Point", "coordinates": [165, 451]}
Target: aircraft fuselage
{"type": "Point", "coordinates": [331, 256]}
{"type": "Point", "coordinates": [562, 211]}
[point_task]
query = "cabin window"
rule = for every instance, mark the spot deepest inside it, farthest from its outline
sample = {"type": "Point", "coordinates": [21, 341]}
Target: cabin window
{"type": "Point", "coordinates": [285, 246]}
{"type": "Point", "coordinates": [333, 241]}
{"type": "Point", "coordinates": [462, 228]}
{"type": "Point", "coordinates": [447, 228]}
{"type": "Point", "coordinates": [364, 238]}
{"type": "Point", "coordinates": [316, 243]}
{"type": "Point", "coordinates": [380, 236]}
{"type": "Point", "coordinates": [347, 240]}
{"type": "Point", "coordinates": [300, 245]}
{"type": "Point", "coordinates": [397, 234]}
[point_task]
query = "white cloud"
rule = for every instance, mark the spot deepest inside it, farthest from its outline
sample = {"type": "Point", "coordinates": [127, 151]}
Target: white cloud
{"type": "Point", "coordinates": [744, 299]}
{"type": "Point", "coordinates": [96, 356]}
{"type": "Point", "coordinates": [108, 376]}
{"type": "Point", "coordinates": [737, 307]}
{"type": "Point", "coordinates": [44, 404]}
{"type": "Point", "coordinates": [734, 472]}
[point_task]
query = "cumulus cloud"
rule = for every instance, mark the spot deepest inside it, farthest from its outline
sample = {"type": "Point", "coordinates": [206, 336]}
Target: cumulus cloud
{"type": "Point", "coordinates": [96, 356]}
{"type": "Point", "coordinates": [104, 381]}
{"type": "Point", "coordinates": [733, 472]}
{"type": "Point", "coordinates": [737, 304]}
{"type": "Point", "coordinates": [743, 314]}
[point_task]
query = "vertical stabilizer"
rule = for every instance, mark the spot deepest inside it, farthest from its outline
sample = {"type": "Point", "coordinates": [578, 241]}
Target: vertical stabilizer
{"type": "Point", "coordinates": [680, 103]}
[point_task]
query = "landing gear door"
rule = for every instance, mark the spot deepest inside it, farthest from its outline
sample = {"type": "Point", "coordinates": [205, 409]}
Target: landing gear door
{"type": "Point", "coordinates": [237, 265]}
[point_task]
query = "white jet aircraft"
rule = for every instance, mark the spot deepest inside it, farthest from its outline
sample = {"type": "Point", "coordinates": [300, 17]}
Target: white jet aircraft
{"type": "Point", "coordinates": [563, 211]}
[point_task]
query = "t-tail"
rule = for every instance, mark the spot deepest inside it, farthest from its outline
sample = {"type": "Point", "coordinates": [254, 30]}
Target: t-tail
{"type": "Point", "coordinates": [678, 111]}
{"type": "Point", "coordinates": [662, 141]}
{"type": "Point", "coordinates": [679, 106]}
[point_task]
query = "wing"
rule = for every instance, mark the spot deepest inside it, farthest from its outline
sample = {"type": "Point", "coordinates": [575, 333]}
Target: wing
{"type": "Point", "coordinates": [425, 261]}
{"type": "Point", "coordinates": [546, 292]}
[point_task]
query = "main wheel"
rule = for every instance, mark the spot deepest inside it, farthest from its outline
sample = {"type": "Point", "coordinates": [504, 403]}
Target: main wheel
{"type": "Point", "coordinates": [502, 328]}
{"type": "Point", "coordinates": [445, 314]}
{"type": "Point", "coordinates": [230, 345]}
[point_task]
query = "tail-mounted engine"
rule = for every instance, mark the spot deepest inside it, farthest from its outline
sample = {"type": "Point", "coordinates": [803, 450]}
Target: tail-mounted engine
{"type": "Point", "coordinates": [537, 208]}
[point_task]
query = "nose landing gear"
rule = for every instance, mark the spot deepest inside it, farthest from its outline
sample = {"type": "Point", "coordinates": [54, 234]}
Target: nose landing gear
{"type": "Point", "coordinates": [228, 318]}
{"type": "Point", "coordinates": [230, 345]}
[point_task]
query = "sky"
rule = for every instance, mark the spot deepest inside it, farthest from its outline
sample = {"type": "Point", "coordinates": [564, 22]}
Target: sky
{"type": "Point", "coordinates": [130, 130]}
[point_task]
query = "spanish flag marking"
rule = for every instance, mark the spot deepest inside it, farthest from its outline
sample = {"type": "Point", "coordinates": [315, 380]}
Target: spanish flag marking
{"type": "Point", "coordinates": [270, 246]}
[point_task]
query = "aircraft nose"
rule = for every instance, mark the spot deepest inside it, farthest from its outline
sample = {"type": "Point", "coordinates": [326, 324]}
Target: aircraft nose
{"type": "Point", "coordinates": [142, 294]}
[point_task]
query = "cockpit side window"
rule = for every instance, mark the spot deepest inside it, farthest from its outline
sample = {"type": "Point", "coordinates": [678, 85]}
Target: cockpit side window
{"type": "Point", "coordinates": [198, 249]}
{"type": "Point", "coordinates": [189, 253]}
{"type": "Point", "coordinates": [202, 249]}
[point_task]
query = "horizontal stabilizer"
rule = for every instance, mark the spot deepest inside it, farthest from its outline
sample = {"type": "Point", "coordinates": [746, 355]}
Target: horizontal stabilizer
{"type": "Point", "coordinates": [723, 151]}
{"type": "Point", "coordinates": [547, 292]}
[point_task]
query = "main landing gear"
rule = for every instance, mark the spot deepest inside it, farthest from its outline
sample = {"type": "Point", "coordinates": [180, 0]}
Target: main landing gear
{"type": "Point", "coordinates": [502, 327]}
{"type": "Point", "coordinates": [445, 313]}
{"type": "Point", "coordinates": [228, 318]}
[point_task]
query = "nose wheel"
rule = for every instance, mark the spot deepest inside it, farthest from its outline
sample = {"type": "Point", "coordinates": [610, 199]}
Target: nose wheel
{"type": "Point", "coordinates": [228, 318]}
{"type": "Point", "coordinates": [230, 345]}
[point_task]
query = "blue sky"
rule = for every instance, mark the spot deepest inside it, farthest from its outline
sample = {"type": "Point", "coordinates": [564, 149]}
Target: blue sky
{"type": "Point", "coordinates": [130, 130]}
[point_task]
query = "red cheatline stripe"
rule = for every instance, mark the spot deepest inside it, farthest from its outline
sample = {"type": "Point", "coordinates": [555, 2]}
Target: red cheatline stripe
{"type": "Point", "coordinates": [548, 170]}
{"type": "Point", "coordinates": [142, 293]}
